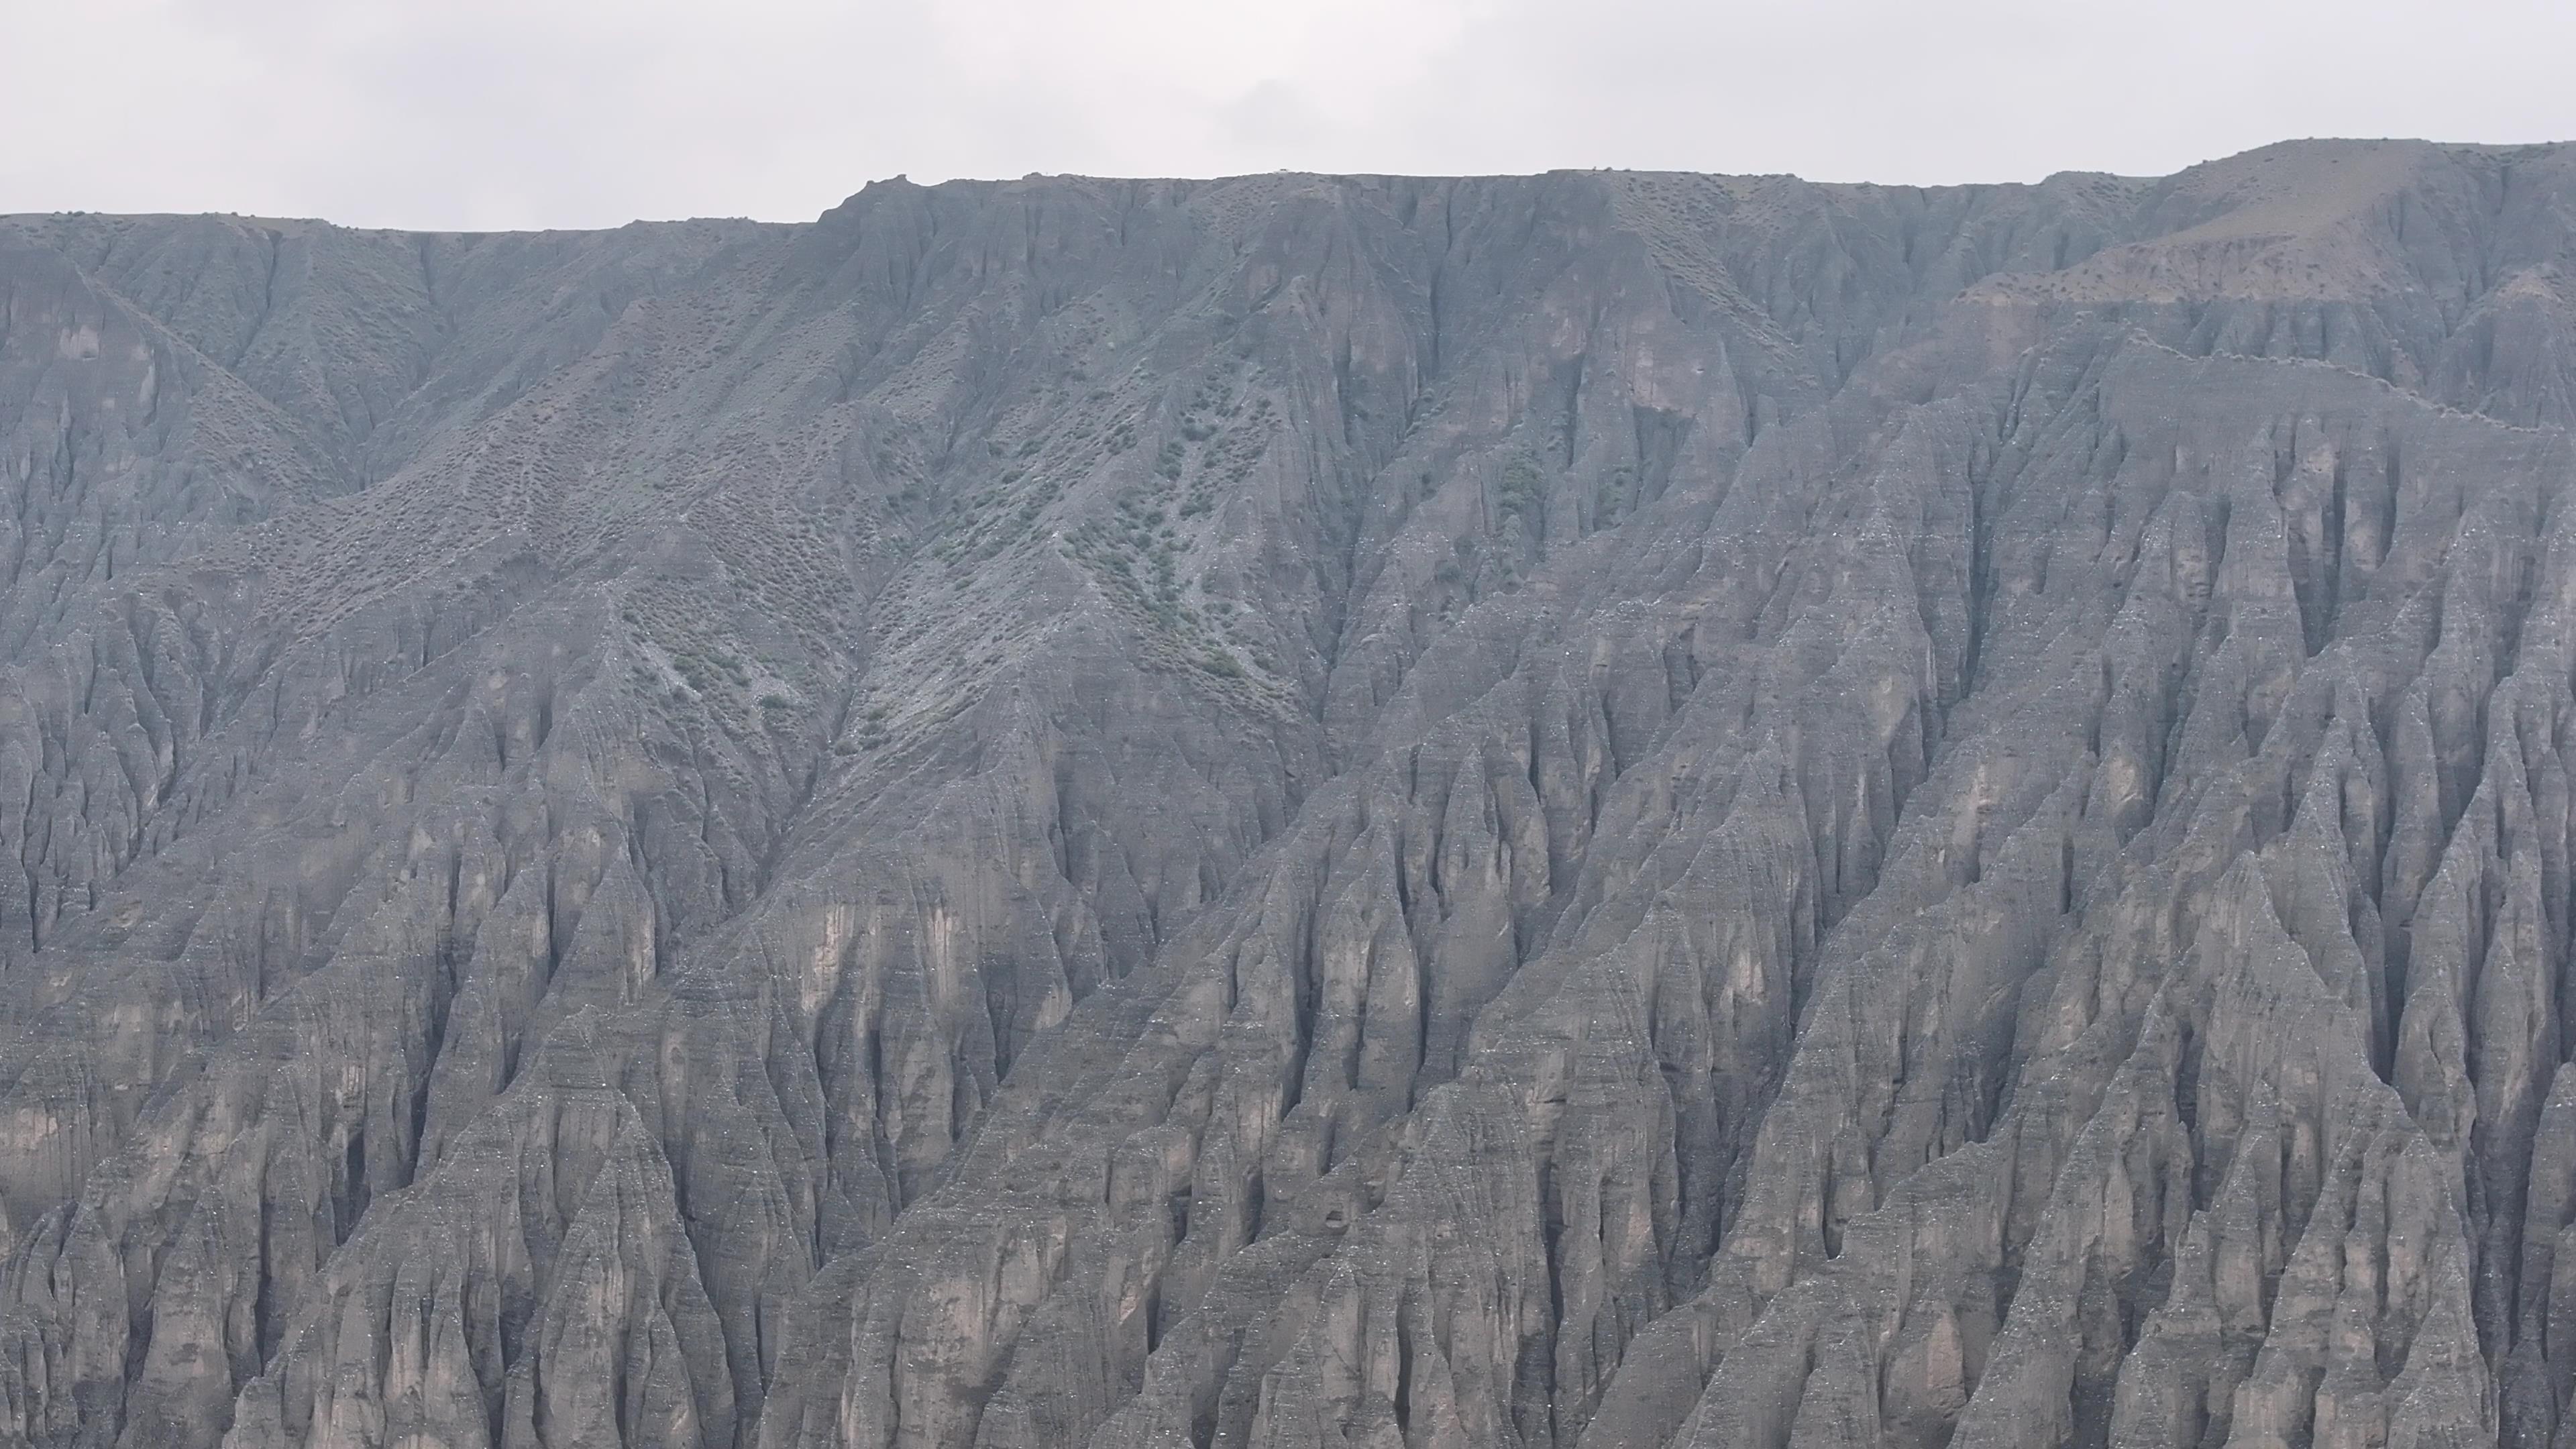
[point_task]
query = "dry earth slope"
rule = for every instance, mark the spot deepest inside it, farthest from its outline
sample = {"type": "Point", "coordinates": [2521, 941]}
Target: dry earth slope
{"type": "Point", "coordinates": [1584, 811]}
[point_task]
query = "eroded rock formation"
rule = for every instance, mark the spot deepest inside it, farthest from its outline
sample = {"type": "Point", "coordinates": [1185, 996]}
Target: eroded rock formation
{"type": "Point", "coordinates": [1589, 811]}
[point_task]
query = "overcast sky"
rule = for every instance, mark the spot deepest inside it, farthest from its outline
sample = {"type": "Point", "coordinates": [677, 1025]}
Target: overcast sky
{"type": "Point", "coordinates": [521, 113]}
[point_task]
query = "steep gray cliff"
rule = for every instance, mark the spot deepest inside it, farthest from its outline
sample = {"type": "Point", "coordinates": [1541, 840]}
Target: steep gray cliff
{"type": "Point", "coordinates": [1586, 811]}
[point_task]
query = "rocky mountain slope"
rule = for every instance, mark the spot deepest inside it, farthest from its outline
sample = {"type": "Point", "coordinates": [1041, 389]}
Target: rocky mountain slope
{"type": "Point", "coordinates": [1584, 811]}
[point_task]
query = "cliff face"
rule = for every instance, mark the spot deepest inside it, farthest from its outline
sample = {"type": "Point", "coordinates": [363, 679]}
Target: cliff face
{"type": "Point", "coordinates": [1602, 810]}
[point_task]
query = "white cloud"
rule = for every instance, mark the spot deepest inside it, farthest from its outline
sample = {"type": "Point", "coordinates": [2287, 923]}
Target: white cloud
{"type": "Point", "coordinates": [451, 113]}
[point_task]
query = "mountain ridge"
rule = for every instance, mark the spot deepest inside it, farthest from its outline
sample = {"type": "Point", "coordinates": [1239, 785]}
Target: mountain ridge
{"type": "Point", "coordinates": [1598, 809]}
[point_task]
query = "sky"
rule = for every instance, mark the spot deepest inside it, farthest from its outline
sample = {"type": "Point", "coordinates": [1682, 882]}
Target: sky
{"type": "Point", "coordinates": [470, 114]}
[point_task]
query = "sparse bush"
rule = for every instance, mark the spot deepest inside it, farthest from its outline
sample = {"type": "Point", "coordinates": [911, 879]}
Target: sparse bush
{"type": "Point", "coordinates": [1519, 490]}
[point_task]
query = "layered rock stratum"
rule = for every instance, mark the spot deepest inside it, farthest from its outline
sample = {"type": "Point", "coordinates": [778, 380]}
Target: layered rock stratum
{"type": "Point", "coordinates": [1583, 811]}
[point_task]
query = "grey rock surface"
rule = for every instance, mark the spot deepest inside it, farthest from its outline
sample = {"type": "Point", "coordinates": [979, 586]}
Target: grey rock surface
{"type": "Point", "coordinates": [1584, 811]}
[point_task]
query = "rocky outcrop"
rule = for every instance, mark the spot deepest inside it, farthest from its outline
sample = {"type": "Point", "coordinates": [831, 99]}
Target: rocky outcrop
{"type": "Point", "coordinates": [1586, 811]}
